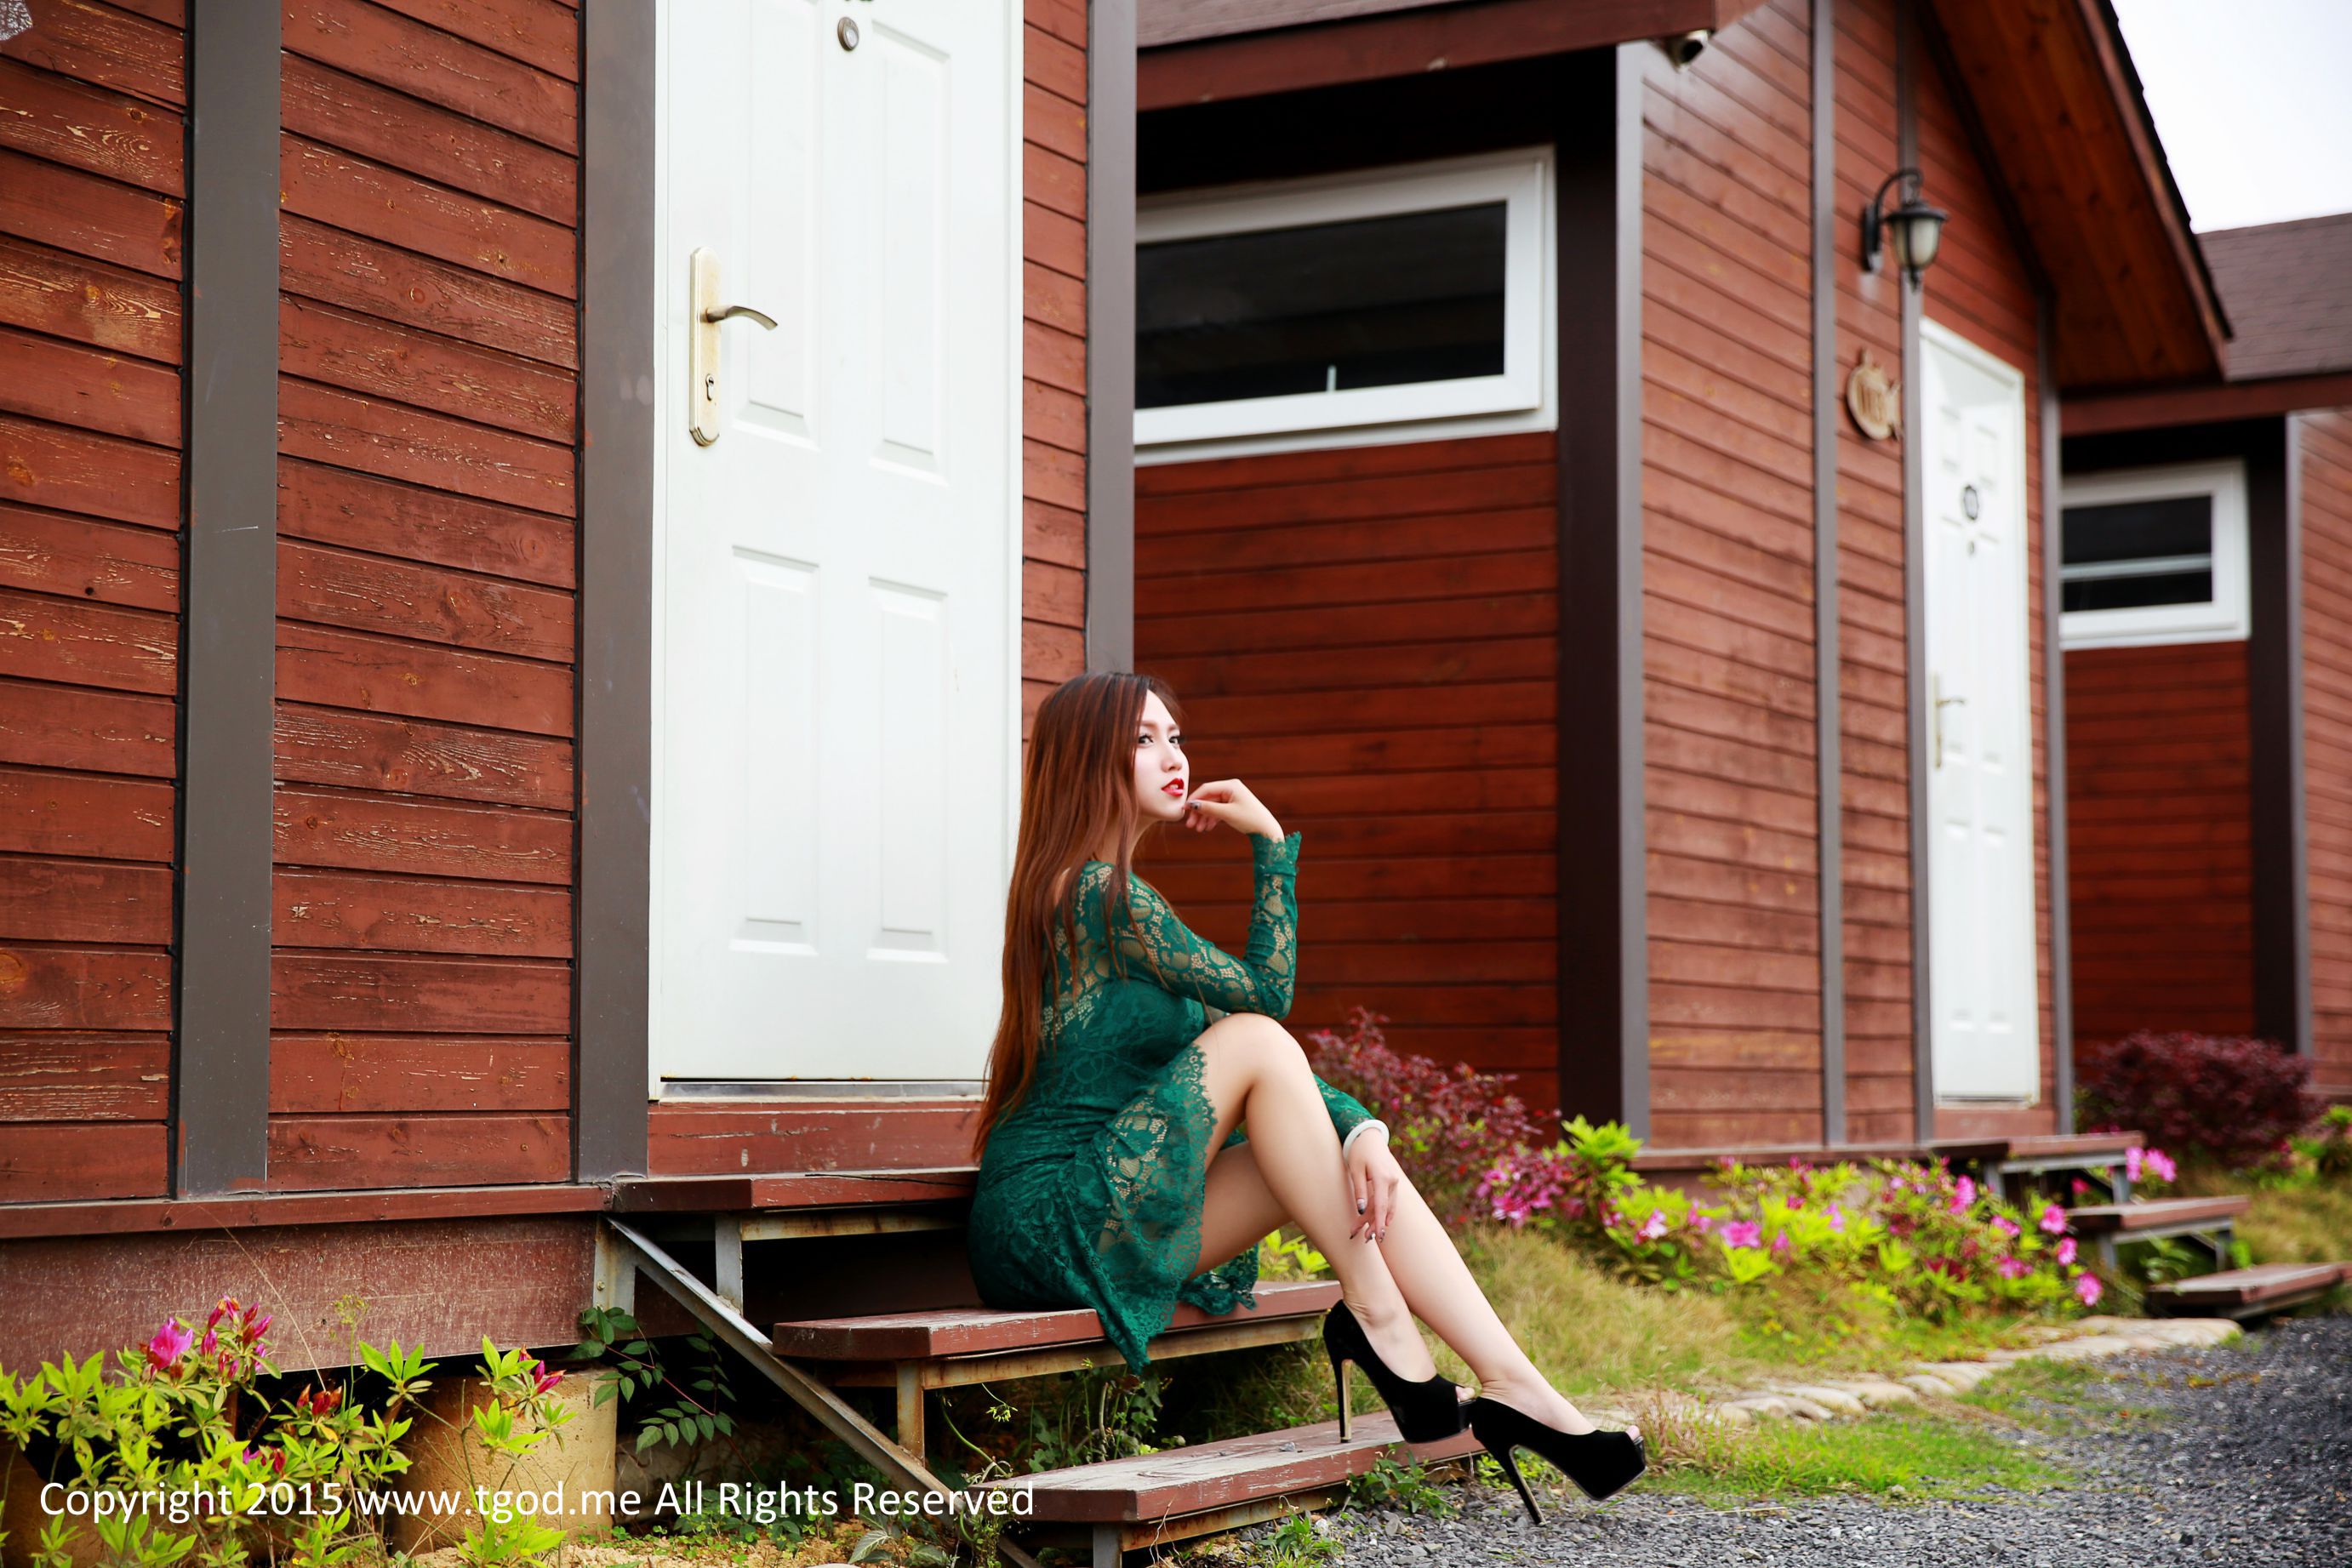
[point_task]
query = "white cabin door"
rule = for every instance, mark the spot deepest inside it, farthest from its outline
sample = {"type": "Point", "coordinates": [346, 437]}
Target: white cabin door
{"type": "Point", "coordinates": [1981, 995]}
{"type": "Point", "coordinates": [836, 706]}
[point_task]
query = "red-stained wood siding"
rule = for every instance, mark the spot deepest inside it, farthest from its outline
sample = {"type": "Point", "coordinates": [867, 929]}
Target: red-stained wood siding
{"type": "Point", "coordinates": [1873, 642]}
{"type": "Point", "coordinates": [1053, 351]}
{"type": "Point", "coordinates": [1981, 287]}
{"type": "Point", "coordinates": [92, 197]}
{"type": "Point", "coordinates": [428, 352]}
{"type": "Point", "coordinates": [1367, 636]}
{"type": "Point", "coordinates": [2159, 838]}
{"type": "Point", "coordinates": [1728, 575]}
{"type": "Point", "coordinates": [2324, 443]}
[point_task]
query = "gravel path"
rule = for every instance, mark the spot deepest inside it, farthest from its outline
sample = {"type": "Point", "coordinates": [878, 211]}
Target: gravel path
{"type": "Point", "coordinates": [2254, 1471]}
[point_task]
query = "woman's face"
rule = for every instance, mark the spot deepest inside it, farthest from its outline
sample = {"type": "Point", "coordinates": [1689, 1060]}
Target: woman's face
{"type": "Point", "coordinates": [1162, 777]}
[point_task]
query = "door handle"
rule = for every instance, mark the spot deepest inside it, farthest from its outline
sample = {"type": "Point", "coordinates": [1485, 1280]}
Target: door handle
{"type": "Point", "coordinates": [702, 351]}
{"type": "Point", "coordinates": [1942, 702]}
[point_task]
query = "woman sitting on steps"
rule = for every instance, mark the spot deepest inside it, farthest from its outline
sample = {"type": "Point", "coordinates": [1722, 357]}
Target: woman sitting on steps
{"type": "Point", "coordinates": [1113, 1170]}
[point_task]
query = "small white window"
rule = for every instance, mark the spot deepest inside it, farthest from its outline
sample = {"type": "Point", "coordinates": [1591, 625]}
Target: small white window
{"type": "Point", "coordinates": [2154, 555]}
{"type": "Point", "coordinates": [1381, 305]}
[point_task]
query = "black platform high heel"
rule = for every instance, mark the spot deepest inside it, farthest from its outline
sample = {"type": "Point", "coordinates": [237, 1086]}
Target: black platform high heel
{"type": "Point", "coordinates": [1602, 1464]}
{"type": "Point", "coordinates": [1424, 1411]}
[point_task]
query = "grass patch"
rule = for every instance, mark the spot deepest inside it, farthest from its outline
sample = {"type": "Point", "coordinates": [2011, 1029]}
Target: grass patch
{"type": "Point", "coordinates": [1987, 1440]}
{"type": "Point", "coordinates": [1594, 1333]}
{"type": "Point", "coordinates": [1895, 1457]}
{"type": "Point", "coordinates": [2049, 1396]}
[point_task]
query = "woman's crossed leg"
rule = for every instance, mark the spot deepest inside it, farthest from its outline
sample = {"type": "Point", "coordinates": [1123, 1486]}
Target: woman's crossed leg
{"type": "Point", "coordinates": [1291, 1170]}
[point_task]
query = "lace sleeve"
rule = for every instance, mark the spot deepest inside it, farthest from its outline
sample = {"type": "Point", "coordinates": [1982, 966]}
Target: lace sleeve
{"type": "Point", "coordinates": [1259, 981]}
{"type": "Point", "coordinates": [1345, 1110]}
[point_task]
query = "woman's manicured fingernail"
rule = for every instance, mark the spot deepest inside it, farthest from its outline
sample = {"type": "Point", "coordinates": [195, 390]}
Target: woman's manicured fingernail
{"type": "Point", "coordinates": [1359, 1206]}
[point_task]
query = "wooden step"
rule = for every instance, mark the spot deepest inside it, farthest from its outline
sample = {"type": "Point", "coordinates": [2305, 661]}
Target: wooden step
{"type": "Point", "coordinates": [2240, 1292]}
{"type": "Point", "coordinates": [974, 1331]}
{"type": "Point", "coordinates": [1182, 1493]}
{"type": "Point", "coordinates": [2147, 1215]}
{"type": "Point", "coordinates": [752, 1191]}
{"type": "Point", "coordinates": [2094, 1148]}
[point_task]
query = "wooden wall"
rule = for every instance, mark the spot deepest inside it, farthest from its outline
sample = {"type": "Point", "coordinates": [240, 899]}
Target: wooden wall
{"type": "Point", "coordinates": [2159, 838]}
{"type": "Point", "coordinates": [2324, 443]}
{"type": "Point", "coordinates": [91, 217]}
{"type": "Point", "coordinates": [1365, 636]}
{"type": "Point", "coordinates": [1727, 590]}
{"type": "Point", "coordinates": [1981, 287]}
{"type": "Point", "coordinates": [1872, 641]}
{"type": "Point", "coordinates": [1053, 351]}
{"type": "Point", "coordinates": [428, 358]}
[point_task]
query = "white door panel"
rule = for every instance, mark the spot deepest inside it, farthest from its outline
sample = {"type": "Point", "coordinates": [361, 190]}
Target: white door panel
{"type": "Point", "coordinates": [1983, 1000]}
{"type": "Point", "coordinates": [836, 710]}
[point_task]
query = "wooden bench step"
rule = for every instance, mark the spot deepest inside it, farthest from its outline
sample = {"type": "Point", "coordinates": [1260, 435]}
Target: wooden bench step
{"type": "Point", "coordinates": [1165, 1490]}
{"type": "Point", "coordinates": [753, 1191]}
{"type": "Point", "coordinates": [2147, 1214]}
{"type": "Point", "coordinates": [2052, 1146]}
{"type": "Point", "coordinates": [2265, 1287]}
{"type": "Point", "coordinates": [972, 1330]}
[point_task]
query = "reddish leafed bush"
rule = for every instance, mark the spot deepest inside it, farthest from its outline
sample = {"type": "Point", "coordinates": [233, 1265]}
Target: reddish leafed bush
{"type": "Point", "coordinates": [1451, 1125]}
{"type": "Point", "coordinates": [2230, 1100]}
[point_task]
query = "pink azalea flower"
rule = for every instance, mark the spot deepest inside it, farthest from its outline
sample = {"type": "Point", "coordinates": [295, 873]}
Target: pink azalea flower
{"type": "Point", "coordinates": [1781, 1242]}
{"type": "Point", "coordinates": [2088, 1288]}
{"type": "Point", "coordinates": [170, 1344]}
{"type": "Point", "coordinates": [542, 1378]}
{"type": "Point", "coordinates": [1963, 1194]}
{"type": "Point", "coordinates": [2132, 1157]}
{"type": "Point", "coordinates": [2053, 1218]}
{"type": "Point", "coordinates": [1653, 1227]}
{"type": "Point", "coordinates": [2006, 1227]}
{"type": "Point", "coordinates": [212, 1342]}
{"type": "Point", "coordinates": [2081, 1186]}
{"type": "Point", "coordinates": [1743, 1233]}
{"type": "Point", "coordinates": [2066, 1251]}
{"type": "Point", "coordinates": [2012, 1268]}
{"type": "Point", "coordinates": [1702, 1222]}
{"type": "Point", "coordinates": [1837, 1218]}
{"type": "Point", "coordinates": [2160, 1163]}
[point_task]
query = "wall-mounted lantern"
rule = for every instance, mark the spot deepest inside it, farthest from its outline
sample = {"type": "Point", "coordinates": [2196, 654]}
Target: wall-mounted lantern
{"type": "Point", "coordinates": [1914, 227]}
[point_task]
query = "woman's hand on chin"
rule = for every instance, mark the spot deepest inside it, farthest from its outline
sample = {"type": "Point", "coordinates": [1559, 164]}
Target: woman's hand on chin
{"type": "Point", "coordinates": [1230, 802]}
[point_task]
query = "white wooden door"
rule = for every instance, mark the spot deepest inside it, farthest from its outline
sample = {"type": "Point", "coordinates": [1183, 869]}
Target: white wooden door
{"type": "Point", "coordinates": [837, 700]}
{"type": "Point", "coordinates": [1985, 1040]}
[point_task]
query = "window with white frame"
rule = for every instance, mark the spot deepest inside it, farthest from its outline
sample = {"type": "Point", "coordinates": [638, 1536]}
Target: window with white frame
{"type": "Point", "coordinates": [1385, 304]}
{"type": "Point", "coordinates": [2154, 555]}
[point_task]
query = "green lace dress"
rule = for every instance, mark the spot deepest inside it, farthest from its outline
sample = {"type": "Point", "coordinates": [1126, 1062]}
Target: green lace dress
{"type": "Point", "coordinates": [1089, 1191]}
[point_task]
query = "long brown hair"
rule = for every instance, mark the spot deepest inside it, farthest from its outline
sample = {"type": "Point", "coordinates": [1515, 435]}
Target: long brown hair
{"type": "Point", "coordinates": [1076, 785]}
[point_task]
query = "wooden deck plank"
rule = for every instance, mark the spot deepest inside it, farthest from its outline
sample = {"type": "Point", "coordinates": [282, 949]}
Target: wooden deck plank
{"type": "Point", "coordinates": [2262, 1284]}
{"type": "Point", "coordinates": [967, 1331]}
{"type": "Point", "coordinates": [791, 1189]}
{"type": "Point", "coordinates": [2149, 1213]}
{"type": "Point", "coordinates": [1205, 1476]}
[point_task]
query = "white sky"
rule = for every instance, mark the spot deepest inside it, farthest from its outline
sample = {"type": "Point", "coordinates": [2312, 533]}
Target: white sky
{"type": "Point", "coordinates": [2251, 99]}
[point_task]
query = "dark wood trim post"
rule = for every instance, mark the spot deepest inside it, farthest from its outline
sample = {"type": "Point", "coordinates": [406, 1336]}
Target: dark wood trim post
{"type": "Point", "coordinates": [1915, 600]}
{"type": "Point", "coordinates": [1603, 963]}
{"type": "Point", "coordinates": [1110, 336]}
{"type": "Point", "coordinates": [2054, 689]}
{"type": "Point", "coordinates": [1829, 764]}
{"type": "Point", "coordinates": [618, 373]}
{"type": "Point", "coordinates": [2282, 889]}
{"type": "Point", "coordinates": [220, 1070]}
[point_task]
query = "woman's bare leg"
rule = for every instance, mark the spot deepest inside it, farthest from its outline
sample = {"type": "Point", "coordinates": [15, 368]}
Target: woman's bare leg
{"type": "Point", "coordinates": [1253, 1068]}
{"type": "Point", "coordinates": [1427, 1270]}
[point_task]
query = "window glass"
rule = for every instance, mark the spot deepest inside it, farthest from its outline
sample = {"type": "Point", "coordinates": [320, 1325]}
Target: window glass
{"type": "Point", "coordinates": [1365, 302]}
{"type": "Point", "coordinates": [2131, 554]}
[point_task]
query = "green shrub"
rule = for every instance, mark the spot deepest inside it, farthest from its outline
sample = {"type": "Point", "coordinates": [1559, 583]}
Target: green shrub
{"type": "Point", "coordinates": [197, 1464]}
